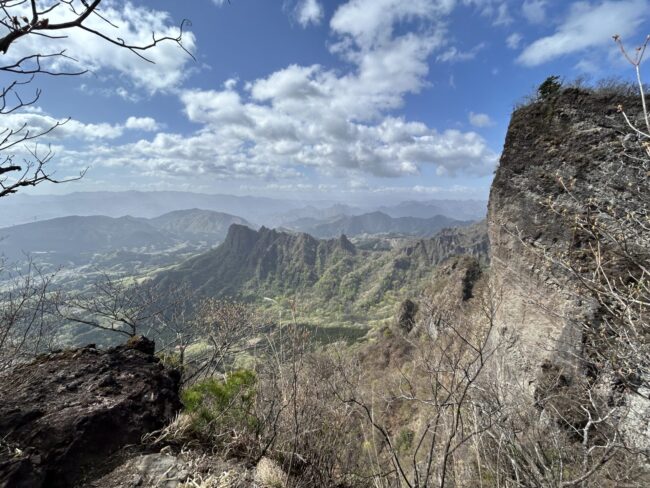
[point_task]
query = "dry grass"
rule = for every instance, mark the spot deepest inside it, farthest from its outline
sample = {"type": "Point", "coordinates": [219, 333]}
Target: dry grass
{"type": "Point", "coordinates": [269, 475]}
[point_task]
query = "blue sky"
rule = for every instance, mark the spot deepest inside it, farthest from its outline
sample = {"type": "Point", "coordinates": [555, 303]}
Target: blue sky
{"type": "Point", "coordinates": [318, 99]}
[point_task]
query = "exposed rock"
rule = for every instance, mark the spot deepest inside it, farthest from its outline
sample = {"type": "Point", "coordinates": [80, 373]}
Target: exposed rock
{"type": "Point", "coordinates": [470, 241]}
{"type": "Point", "coordinates": [148, 470]}
{"type": "Point", "coordinates": [452, 287]}
{"type": "Point", "coordinates": [406, 315]}
{"type": "Point", "coordinates": [185, 469]}
{"type": "Point", "coordinates": [574, 140]}
{"type": "Point", "coordinates": [64, 414]}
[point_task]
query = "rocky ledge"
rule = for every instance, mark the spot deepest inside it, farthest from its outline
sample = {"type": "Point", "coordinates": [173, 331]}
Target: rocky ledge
{"type": "Point", "coordinates": [63, 415]}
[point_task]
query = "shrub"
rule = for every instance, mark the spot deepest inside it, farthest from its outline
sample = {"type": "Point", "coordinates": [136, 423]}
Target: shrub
{"type": "Point", "coordinates": [216, 405]}
{"type": "Point", "coordinates": [550, 87]}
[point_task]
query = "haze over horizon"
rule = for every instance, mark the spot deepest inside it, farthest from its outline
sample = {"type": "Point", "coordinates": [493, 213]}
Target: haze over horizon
{"type": "Point", "coordinates": [345, 101]}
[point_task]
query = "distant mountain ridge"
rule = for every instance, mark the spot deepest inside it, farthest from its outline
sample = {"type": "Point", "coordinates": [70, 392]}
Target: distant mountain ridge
{"type": "Point", "coordinates": [146, 204]}
{"type": "Point", "coordinates": [375, 223]}
{"type": "Point", "coordinates": [77, 238]}
{"type": "Point", "coordinates": [458, 209]}
{"type": "Point", "coordinates": [271, 212]}
{"type": "Point", "coordinates": [197, 223]}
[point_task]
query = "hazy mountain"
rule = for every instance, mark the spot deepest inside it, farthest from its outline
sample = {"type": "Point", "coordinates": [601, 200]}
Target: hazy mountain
{"type": "Point", "coordinates": [456, 209]}
{"type": "Point", "coordinates": [77, 239]}
{"type": "Point", "coordinates": [374, 223]}
{"type": "Point", "coordinates": [21, 209]}
{"type": "Point", "coordinates": [197, 224]}
{"type": "Point", "coordinates": [314, 214]}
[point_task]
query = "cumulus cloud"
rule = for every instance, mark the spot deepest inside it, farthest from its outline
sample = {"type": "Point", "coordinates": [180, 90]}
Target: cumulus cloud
{"type": "Point", "coordinates": [36, 121]}
{"type": "Point", "coordinates": [588, 25]}
{"type": "Point", "coordinates": [480, 120]}
{"type": "Point", "coordinates": [371, 22]}
{"type": "Point", "coordinates": [337, 123]}
{"type": "Point", "coordinates": [135, 23]}
{"type": "Point", "coordinates": [307, 118]}
{"type": "Point", "coordinates": [309, 12]}
{"type": "Point", "coordinates": [147, 124]}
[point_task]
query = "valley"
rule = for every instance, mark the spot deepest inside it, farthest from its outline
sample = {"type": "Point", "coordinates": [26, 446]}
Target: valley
{"type": "Point", "coordinates": [346, 272]}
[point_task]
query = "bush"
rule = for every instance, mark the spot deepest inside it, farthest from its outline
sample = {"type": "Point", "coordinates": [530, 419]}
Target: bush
{"type": "Point", "coordinates": [550, 87]}
{"type": "Point", "coordinates": [216, 405]}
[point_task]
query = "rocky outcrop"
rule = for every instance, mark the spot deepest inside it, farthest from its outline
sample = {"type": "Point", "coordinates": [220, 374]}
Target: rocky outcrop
{"type": "Point", "coordinates": [64, 414]}
{"type": "Point", "coordinates": [458, 241]}
{"type": "Point", "coordinates": [565, 149]}
{"type": "Point", "coordinates": [454, 284]}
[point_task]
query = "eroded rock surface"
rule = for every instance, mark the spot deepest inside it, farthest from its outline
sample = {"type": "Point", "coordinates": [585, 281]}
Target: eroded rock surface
{"type": "Point", "coordinates": [64, 414]}
{"type": "Point", "coordinates": [574, 147]}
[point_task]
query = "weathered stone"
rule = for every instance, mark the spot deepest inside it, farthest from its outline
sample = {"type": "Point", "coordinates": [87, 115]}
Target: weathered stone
{"type": "Point", "coordinates": [570, 139]}
{"type": "Point", "coordinates": [62, 415]}
{"type": "Point", "coordinates": [406, 315]}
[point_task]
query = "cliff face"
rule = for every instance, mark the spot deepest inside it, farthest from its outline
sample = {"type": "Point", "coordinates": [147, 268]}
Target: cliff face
{"type": "Point", "coordinates": [560, 153]}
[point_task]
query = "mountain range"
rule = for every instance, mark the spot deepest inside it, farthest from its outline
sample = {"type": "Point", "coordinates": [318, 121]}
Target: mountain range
{"type": "Point", "coordinates": [332, 280]}
{"type": "Point", "coordinates": [77, 239]}
{"type": "Point", "coordinates": [271, 212]}
{"type": "Point", "coordinates": [457, 209]}
{"type": "Point", "coordinates": [372, 224]}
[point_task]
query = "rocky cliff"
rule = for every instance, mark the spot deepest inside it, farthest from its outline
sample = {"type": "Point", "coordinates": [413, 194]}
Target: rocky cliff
{"type": "Point", "coordinates": [563, 157]}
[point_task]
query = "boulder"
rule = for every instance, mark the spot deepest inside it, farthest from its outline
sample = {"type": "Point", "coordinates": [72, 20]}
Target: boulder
{"type": "Point", "coordinates": [64, 414]}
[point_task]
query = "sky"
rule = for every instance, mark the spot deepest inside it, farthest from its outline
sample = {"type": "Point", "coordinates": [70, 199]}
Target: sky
{"type": "Point", "coordinates": [343, 100]}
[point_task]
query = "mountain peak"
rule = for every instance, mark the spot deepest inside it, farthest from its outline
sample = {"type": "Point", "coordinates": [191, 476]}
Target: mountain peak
{"type": "Point", "coordinates": [241, 239]}
{"type": "Point", "coordinates": [346, 245]}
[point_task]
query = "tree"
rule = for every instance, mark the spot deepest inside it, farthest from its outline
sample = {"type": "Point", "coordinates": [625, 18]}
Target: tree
{"type": "Point", "coordinates": [225, 326]}
{"type": "Point", "coordinates": [110, 305]}
{"type": "Point", "coordinates": [25, 314]}
{"type": "Point", "coordinates": [438, 386]}
{"type": "Point", "coordinates": [550, 87]}
{"type": "Point", "coordinates": [21, 19]}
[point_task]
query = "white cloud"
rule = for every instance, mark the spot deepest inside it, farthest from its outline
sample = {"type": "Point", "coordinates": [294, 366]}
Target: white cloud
{"type": "Point", "coordinates": [371, 22]}
{"type": "Point", "coordinates": [453, 54]}
{"type": "Point", "coordinates": [309, 12]}
{"type": "Point", "coordinates": [135, 24]}
{"type": "Point", "coordinates": [305, 119]}
{"type": "Point", "coordinates": [36, 121]}
{"type": "Point", "coordinates": [147, 124]}
{"type": "Point", "coordinates": [337, 123]}
{"type": "Point", "coordinates": [503, 16]}
{"type": "Point", "coordinates": [587, 26]}
{"type": "Point", "coordinates": [513, 40]}
{"type": "Point", "coordinates": [480, 120]}
{"type": "Point", "coordinates": [534, 11]}
{"type": "Point", "coordinates": [497, 10]}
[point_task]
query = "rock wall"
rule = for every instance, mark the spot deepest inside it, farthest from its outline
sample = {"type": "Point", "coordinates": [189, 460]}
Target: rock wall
{"type": "Point", "coordinates": [564, 148]}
